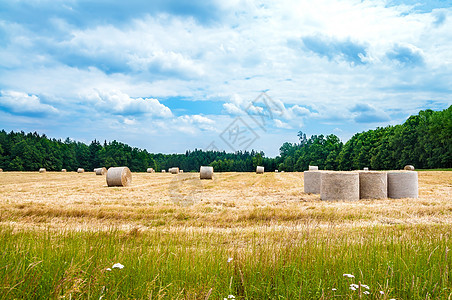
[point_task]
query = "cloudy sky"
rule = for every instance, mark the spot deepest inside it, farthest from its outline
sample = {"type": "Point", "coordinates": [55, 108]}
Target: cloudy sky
{"type": "Point", "coordinates": [172, 75]}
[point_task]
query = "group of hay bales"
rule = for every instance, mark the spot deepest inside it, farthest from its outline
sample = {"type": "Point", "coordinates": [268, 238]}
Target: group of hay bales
{"type": "Point", "coordinates": [355, 185]}
{"type": "Point", "coordinates": [150, 170]}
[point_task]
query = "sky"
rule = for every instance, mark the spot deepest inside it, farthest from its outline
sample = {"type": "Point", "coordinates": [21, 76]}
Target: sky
{"type": "Point", "coordinates": [172, 75]}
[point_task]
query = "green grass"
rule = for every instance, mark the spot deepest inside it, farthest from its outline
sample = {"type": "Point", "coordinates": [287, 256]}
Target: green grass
{"type": "Point", "coordinates": [405, 262]}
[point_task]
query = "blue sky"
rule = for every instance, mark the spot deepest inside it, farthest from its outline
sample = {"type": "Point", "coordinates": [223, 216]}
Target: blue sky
{"type": "Point", "coordinates": [169, 75]}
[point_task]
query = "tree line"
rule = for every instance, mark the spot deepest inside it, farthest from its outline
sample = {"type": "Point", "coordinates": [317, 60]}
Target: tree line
{"type": "Point", "coordinates": [423, 140]}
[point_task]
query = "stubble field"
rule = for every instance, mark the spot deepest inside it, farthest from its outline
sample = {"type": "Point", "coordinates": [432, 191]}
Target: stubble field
{"type": "Point", "coordinates": [246, 235]}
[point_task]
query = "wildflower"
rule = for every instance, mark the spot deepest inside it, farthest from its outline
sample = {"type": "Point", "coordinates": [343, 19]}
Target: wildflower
{"type": "Point", "coordinates": [353, 288]}
{"type": "Point", "coordinates": [365, 286]}
{"type": "Point", "coordinates": [229, 297]}
{"type": "Point", "coordinates": [107, 269]}
{"type": "Point", "coordinates": [349, 275]}
{"type": "Point", "coordinates": [381, 292]}
{"type": "Point", "coordinates": [117, 266]}
{"type": "Point", "coordinates": [366, 293]}
{"type": "Point", "coordinates": [229, 260]}
{"type": "Point", "coordinates": [354, 285]}
{"type": "Point", "coordinates": [333, 289]}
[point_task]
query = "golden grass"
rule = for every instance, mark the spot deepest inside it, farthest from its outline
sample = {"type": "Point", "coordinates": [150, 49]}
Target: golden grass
{"type": "Point", "coordinates": [232, 201]}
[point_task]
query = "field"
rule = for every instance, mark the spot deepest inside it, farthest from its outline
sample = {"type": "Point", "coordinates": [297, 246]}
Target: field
{"type": "Point", "coordinates": [245, 235]}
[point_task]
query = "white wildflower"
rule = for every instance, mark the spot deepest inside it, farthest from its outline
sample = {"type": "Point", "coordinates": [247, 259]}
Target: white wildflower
{"type": "Point", "coordinates": [353, 288]}
{"type": "Point", "coordinates": [231, 297]}
{"type": "Point", "coordinates": [333, 289]}
{"type": "Point", "coordinates": [117, 266]}
{"type": "Point", "coordinates": [107, 269]}
{"type": "Point", "coordinates": [366, 292]}
{"type": "Point", "coordinates": [381, 292]}
{"type": "Point", "coordinates": [349, 275]}
{"type": "Point", "coordinates": [354, 285]}
{"type": "Point", "coordinates": [229, 260]}
{"type": "Point", "coordinates": [365, 286]}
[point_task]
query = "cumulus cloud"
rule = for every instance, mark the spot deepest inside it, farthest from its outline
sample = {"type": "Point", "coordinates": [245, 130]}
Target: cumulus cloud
{"type": "Point", "coordinates": [365, 113]}
{"type": "Point", "coordinates": [117, 102]}
{"type": "Point", "coordinates": [24, 104]}
{"type": "Point", "coordinates": [333, 48]}
{"type": "Point", "coordinates": [406, 55]}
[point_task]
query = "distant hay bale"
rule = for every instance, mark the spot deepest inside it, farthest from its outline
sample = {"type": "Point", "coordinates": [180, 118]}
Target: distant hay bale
{"type": "Point", "coordinates": [409, 168]}
{"type": "Point", "coordinates": [339, 186]}
{"type": "Point", "coordinates": [276, 171]}
{"type": "Point", "coordinates": [174, 170]}
{"type": "Point", "coordinates": [1, 170]}
{"type": "Point", "coordinates": [373, 185]}
{"type": "Point", "coordinates": [312, 182]}
{"type": "Point", "coordinates": [402, 184]}
{"type": "Point", "coordinates": [206, 172]}
{"type": "Point", "coordinates": [163, 171]}
{"type": "Point", "coordinates": [42, 170]}
{"type": "Point", "coordinates": [313, 168]}
{"type": "Point", "coordinates": [80, 170]}
{"type": "Point", "coordinates": [181, 171]}
{"type": "Point", "coordinates": [366, 169]}
{"type": "Point", "coordinates": [63, 170]}
{"type": "Point", "coordinates": [150, 170]}
{"type": "Point", "coordinates": [119, 176]}
{"type": "Point", "coordinates": [259, 170]}
{"type": "Point", "coordinates": [100, 171]}
{"type": "Point", "coordinates": [282, 171]}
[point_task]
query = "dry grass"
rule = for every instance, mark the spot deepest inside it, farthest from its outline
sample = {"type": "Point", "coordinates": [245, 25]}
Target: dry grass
{"type": "Point", "coordinates": [243, 201]}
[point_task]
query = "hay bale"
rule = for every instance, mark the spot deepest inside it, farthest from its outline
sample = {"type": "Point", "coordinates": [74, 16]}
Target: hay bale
{"type": "Point", "coordinates": [119, 176]}
{"type": "Point", "coordinates": [339, 186]}
{"type": "Point", "coordinates": [1, 170]}
{"type": "Point", "coordinates": [80, 170]}
{"type": "Point", "coordinates": [366, 169]}
{"type": "Point", "coordinates": [409, 168]}
{"type": "Point", "coordinates": [101, 171]}
{"type": "Point", "coordinates": [313, 168]}
{"type": "Point", "coordinates": [312, 182]}
{"type": "Point", "coordinates": [150, 170]}
{"type": "Point", "coordinates": [402, 184]}
{"type": "Point", "coordinates": [42, 170]}
{"type": "Point", "coordinates": [373, 185]}
{"type": "Point", "coordinates": [276, 171]}
{"type": "Point", "coordinates": [174, 170]}
{"type": "Point", "coordinates": [181, 171]}
{"type": "Point", "coordinates": [63, 170]}
{"type": "Point", "coordinates": [163, 171]}
{"type": "Point", "coordinates": [282, 171]}
{"type": "Point", "coordinates": [259, 170]}
{"type": "Point", "coordinates": [206, 172]}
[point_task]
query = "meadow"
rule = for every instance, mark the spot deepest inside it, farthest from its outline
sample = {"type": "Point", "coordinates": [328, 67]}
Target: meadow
{"type": "Point", "coordinates": [239, 236]}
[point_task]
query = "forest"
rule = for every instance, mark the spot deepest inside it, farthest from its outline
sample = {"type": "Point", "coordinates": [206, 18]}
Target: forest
{"type": "Point", "coordinates": [423, 140]}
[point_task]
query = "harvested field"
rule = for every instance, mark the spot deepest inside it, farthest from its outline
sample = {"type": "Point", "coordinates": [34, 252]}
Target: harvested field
{"type": "Point", "coordinates": [243, 234]}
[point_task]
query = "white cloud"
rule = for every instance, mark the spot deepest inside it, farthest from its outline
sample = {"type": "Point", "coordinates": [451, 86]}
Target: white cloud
{"type": "Point", "coordinates": [280, 124]}
{"type": "Point", "coordinates": [24, 104]}
{"type": "Point", "coordinates": [116, 102]}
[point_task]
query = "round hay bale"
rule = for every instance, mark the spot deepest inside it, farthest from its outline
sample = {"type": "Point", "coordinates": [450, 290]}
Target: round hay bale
{"type": "Point", "coordinates": [409, 168]}
{"type": "Point", "coordinates": [373, 185]}
{"type": "Point", "coordinates": [42, 170]}
{"type": "Point", "coordinates": [63, 170]}
{"type": "Point", "coordinates": [1, 170]}
{"type": "Point", "coordinates": [101, 171]}
{"type": "Point", "coordinates": [259, 170]}
{"type": "Point", "coordinates": [181, 171]}
{"type": "Point", "coordinates": [313, 168]}
{"type": "Point", "coordinates": [282, 171]}
{"type": "Point", "coordinates": [119, 176]}
{"type": "Point", "coordinates": [276, 171]}
{"type": "Point", "coordinates": [366, 169]}
{"type": "Point", "coordinates": [163, 171]}
{"type": "Point", "coordinates": [174, 170]}
{"type": "Point", "coordinates": [402, 184]}
{"type": "Point", "coordinates": [80, 170]}
{"type": "Point", "coordinates": [339, 186]}
{"type": "Point", "coordinates": [206, 172]}
{"type": "Point", "coordinates": [150, 170]}
{"type": "Point", "coordinates": [312, 182]}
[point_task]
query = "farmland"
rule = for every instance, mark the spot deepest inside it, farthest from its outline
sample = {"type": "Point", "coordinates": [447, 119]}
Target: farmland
{"type": "Point", "coordinates": [242, 234]}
